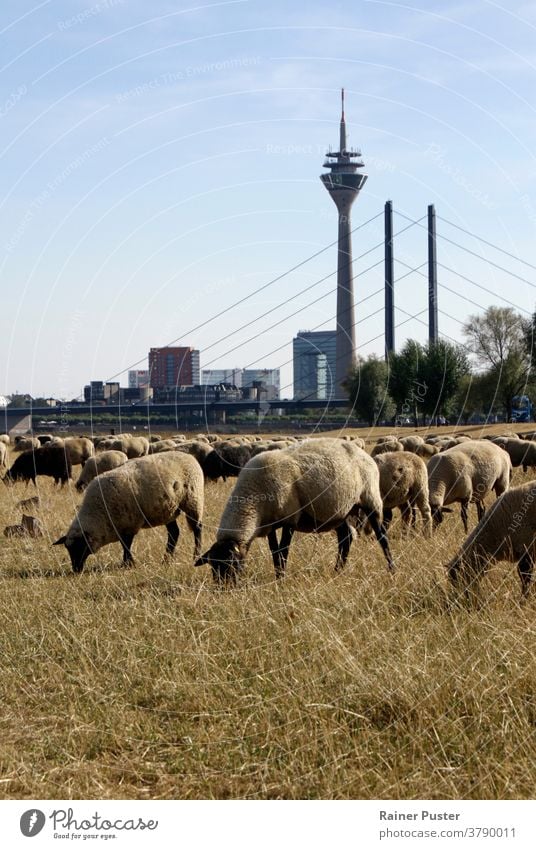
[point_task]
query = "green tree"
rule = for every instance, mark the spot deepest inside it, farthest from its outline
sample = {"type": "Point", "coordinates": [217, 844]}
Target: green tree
{"type": "Point", "coordinates": [442, 367]}
{"type": "Point", "coordinates": [499, 341]}
{"type": "Point", "coordinates": [367, 390]}
{"type": "Point", "coordinates": [406, 379]}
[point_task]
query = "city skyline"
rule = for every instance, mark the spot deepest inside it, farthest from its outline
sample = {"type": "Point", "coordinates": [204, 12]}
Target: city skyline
{"type": "Point", "coordinates": [158, 167]}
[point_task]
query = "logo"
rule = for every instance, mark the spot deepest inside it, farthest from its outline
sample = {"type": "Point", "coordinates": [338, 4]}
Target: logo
{"type": "Point", "coordinates": [31, 822]}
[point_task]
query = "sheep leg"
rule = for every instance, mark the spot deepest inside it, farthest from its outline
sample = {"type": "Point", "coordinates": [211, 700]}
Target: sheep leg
{"type": "Point", "coordinates": [344, 541]}
{"type": "Point", "coordinates": [126, 542]}
{"type": "Point", "coordinates": [524, 568]}
{"type": "Point", "coordinates": [381, 536]}
{"type": "Point", "coordinates": [464, 516]}
{"type": "Point", "coordinates": [197, 530]}
{"type": "Point", "coordinates": [173, 532]}
{"type": "Point", "coordinates": [480, 509]}
{"type": "Point", "coordinates": [280, 549]}
{"type": "Point", "coordinates": [407, 517]}
{"type": "Point", "coordinates": [387, 517]}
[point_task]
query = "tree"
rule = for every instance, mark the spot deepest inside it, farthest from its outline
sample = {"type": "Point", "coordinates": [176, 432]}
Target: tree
{"type": "Point", "coordinates": [472, 396]}
{"type": "Point", "coordinates": [367, 390]}
{"type": "Point", "coordinates": [406, 383]}
{"type": "Point", "coordinates": [498, 340]}
{"type": "Point", "coordinates": [442, 367]}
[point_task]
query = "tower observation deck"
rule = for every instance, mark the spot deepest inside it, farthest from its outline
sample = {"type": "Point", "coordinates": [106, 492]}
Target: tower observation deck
{"type": "Point", "coordinates": [344, 183]}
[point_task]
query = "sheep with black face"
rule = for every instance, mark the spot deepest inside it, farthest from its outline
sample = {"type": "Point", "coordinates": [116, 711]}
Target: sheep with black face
{"type": "Point", "coordinates": [311, 487]}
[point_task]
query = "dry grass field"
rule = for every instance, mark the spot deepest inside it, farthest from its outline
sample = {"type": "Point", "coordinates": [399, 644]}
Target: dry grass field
{"type": "Point", "coordinates": [150, 683]}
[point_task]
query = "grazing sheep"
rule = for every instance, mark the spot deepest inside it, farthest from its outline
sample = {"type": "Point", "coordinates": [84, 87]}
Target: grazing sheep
{"type": "Point", "coordinates": [226, 460]}
{"type": "Point", "coordinates": [199, 450]}
{"type": "Point", "coordinates": [143, 493]}
{"type": "Point", "coordinates": [26, 443]}
{"type": "Point", "coordinates": [162, 445]}
{"type": "Point", "coordinates": [521, 452]}
{"type": "Point", "coordinates": [412, 442]}
{"type": "Point", "coordinates": [95, 466]}
{"type": "Point", "coordinates": [426, 451]}
{"type": "Point", "coordinates": [312, 487]}
{"type": "Point", "coordinates": [404, 484]}
{"type": "Point", "coordinates": [132, 446]}
{"type": "Point", "coordinates": [383, 447]}
{"type": "Point", "coordinates": [466, 473]}
{"type": "Point", "coordinates": [3, 456]}
{"type": "Point", "coordinates": [79, 449]}
{"type": "Point", "coordinates": [506, 532]}
{"type": "Point", "coordinates": [50, 460]}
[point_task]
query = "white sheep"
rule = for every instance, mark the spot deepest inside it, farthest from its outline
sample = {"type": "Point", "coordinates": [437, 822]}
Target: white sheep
{"type": "Point", "coordinates": [143, 493]}
{"type": "Point", "coordinates": [467, 473]}
{"type": "Point", "coordinates": [3, 455]}
{"type": "Point", "coordinates": [4, 437]}
{"type": "Point", "coordinates": [383, 447]}
{"type": "Point", "coordinates": [95, 466]}
{"type": "Point", "coordinates": [312, 487]}
{"type": "Point", "coordinates": [162, 445]}
{"type": "Point", "coordinates": [411, 442]}
{"type": "Point", "coordinates": [79, 449]}
{"type": "Point", "coordinates": [506, 532]}
{"type": "Point", "coordinates": [404, 484]}
{"type": "Point", "coordinates": [132, 446]}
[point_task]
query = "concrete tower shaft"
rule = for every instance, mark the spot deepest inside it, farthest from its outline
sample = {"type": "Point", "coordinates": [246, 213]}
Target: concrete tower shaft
{"type": "Point", "coordinates": [344, 184]}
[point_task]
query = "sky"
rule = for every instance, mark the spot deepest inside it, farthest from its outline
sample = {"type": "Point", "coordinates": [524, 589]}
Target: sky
{"type": "Point", "coordinates": [160, 162]}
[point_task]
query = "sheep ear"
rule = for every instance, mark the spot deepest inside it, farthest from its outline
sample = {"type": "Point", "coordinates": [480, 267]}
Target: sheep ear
{"type": "Point", "coordinates": [203, 560]}
{"type": "Point", "coordinates": [60, 541]}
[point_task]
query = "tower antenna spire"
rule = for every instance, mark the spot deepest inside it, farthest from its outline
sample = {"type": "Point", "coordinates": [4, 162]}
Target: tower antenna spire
{"type": "Point", "coordinates": [344, 184]}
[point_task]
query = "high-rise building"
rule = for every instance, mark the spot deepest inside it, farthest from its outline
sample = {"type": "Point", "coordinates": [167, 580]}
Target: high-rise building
{"type": "Point", "coordinates": [315, 361]}
{"type": "Point", "coordinates": [138, 379]}
{"type": "Point", "coordinates": [263, 378]}
{"type": "Point", "coordinates": [215, 376]}
{"type": "Point", "coordinates": [170, 367]}
{"type": "Point", "coordinates": [344, 184]}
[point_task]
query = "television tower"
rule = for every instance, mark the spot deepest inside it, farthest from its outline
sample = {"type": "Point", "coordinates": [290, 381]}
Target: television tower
{"type": "Point", "coordinates": [344, 184]}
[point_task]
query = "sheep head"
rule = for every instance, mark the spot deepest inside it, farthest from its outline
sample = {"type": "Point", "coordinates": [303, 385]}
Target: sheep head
{"type": "Point", "coordinates": [79, 545]}
{"type": "Point", "coordinates": [226, 559]}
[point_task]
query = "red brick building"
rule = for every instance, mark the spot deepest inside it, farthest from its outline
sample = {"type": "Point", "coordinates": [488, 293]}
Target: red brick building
{"type": "Point", "coordinates": [173, 367]}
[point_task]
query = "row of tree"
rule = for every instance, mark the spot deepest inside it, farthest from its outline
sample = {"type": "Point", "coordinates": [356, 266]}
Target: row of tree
{"type": "Point", "coordinates": [442, 379]}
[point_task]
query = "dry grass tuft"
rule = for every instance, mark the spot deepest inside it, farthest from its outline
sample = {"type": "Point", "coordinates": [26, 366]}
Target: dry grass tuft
{"type": "Point", "coordinates": [150, 683]}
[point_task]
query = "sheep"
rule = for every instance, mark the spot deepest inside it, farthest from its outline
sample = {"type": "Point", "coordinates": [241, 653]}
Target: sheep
{"type": "Point", "coordinates": [95, 466]}
{"type": "Point", "coordinates": [199, 450]}
{"type": "Point", "coordinates": [4, 437]}
{"type": "Point", "coordinates": [51, 460]}
{"type": "Point", "coordinates": [466, 473]}
{"type": "Point", "coordinates": [145, 492]}
{"type": "Point", "coordinates": [132, 446]}
{"type": "Point", "coordinates": [383, 447]}
{"type": "Point", "coordinates": [26, 443]}
{"type": "Point", "coordinates": [412, 442]}
{"type": "Point", "coordinates": [521, 452]}
{"type": "Point", "coordinates": [163, 445]}
{"type": "Point", "coordinates": [506, 532]}
{"type": "Point", "coordinates": [3, 456]}
{"type": "Point", "coordinates": [312, 487]}
{"type": "Point", "coordinates": [404, 484]}
{"type": "Point", "coordinates": [79, 449]}
{"type": "Point", "coordinates": [426, 451]}
{"type": "Point", "coordinates": [226, 460]}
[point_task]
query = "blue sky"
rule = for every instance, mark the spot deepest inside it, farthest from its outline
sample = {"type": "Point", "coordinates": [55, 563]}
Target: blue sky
{"type": "Point", "coordinates": [161, 161]}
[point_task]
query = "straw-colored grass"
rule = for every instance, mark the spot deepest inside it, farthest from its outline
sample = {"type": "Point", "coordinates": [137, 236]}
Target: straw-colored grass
{"type": "Point", "coordinates": [150, 683]}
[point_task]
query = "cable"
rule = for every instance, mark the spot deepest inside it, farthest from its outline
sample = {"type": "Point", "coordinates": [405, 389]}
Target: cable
{"type": "Point", "coordinates": [251, 295]}
{"type": "Point", "coordinates": [484, 288]}
{"type": "Point", "coordinates": [490, 244]}
{"type": "Point", "coordinates": [478, 256]}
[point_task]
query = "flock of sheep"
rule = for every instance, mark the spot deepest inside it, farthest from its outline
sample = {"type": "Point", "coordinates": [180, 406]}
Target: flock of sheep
{"type": "Point", "coordinates": [290, 485]}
